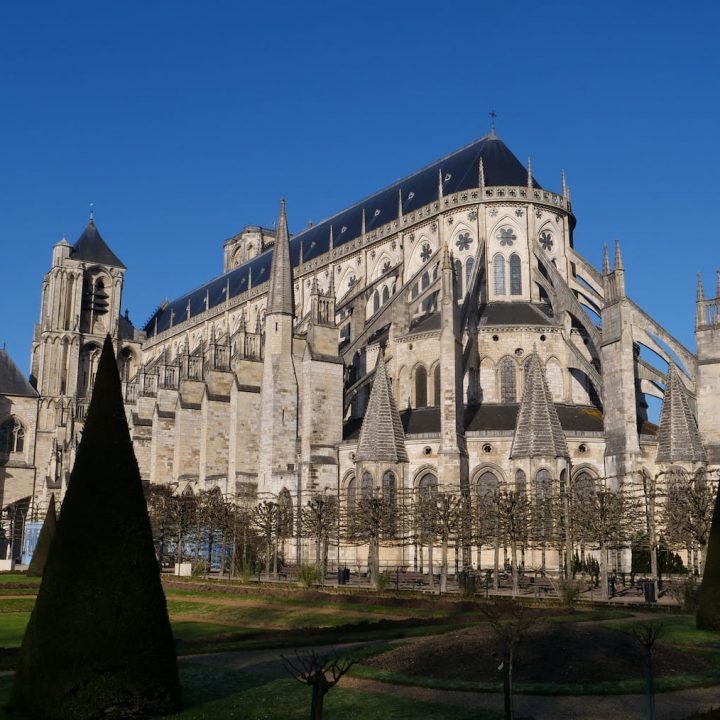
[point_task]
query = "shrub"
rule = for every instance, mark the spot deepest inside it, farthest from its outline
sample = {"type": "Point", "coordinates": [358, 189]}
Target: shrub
{"type": "Point", "coordinates": [308, 575]}
{"type": "Point", "coordinates": [384, 580]}
{"type": "Point", "coordinates": [568, 591]}
{"type": "Point", "coordinates": [200, 568]}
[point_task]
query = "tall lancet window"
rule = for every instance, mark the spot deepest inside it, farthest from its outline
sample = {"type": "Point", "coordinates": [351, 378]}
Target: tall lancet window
{"type": "Point", "coordinates": [508, 381]}
{"type": "Point", "coordinates": [515, 275]}
{"type": "Point", "coordinates": [499, 274]}
{"type": "Point", "coordinates": [420, 387]}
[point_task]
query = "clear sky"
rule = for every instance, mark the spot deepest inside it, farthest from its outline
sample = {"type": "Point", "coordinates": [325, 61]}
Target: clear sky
{"type": "Point", "coordinates": [184, 121]}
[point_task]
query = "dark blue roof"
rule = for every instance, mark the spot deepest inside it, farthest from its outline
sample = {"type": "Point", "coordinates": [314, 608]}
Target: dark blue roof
{"type": "Point", "coordinates": [460, 171]}
{"type": "Point", "coordinates": [90, 247]}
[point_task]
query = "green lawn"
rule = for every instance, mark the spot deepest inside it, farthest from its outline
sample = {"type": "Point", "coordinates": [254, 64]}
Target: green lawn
{"type": "Point", "coordinates": [215, 693]}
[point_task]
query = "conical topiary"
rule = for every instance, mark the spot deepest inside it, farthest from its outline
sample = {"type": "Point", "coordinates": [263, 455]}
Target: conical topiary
{"type": "Point", "coordinates": [47, 532]}
{"type": "Point", "coordinates": [708, 612]}
{"type": "Point", "coordinates": [99, 643]}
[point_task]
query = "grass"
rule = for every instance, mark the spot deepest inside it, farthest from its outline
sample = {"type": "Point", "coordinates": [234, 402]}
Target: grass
{"type": "Point", "coordinates": [215, 693]}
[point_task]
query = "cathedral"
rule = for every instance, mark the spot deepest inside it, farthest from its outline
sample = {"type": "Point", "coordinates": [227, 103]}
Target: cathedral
{"type": "Point", "coordinates": [444, 332]}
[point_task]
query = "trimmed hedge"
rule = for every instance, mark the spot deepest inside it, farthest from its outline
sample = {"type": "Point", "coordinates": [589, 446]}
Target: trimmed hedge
{"type": "Point", "coordinates": [99, 643]}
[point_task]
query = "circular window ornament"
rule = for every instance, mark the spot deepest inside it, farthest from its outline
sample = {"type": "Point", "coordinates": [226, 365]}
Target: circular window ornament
{"type": "Point", "coordinates": [495, 338]}
{"type": "Point", "coordinates": [427, 450]}
{"type": "Point", "coordinates": [546, 240]}
{"type": "Point", "coordinates": [487, 448]}
{"type": "Point", "coordinates": [519, 352]}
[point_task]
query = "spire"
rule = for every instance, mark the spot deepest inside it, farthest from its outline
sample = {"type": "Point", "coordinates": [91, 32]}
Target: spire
{"type": "Point", "coordinates": [538, 432]}
{"type": "Point", "coordinates": [314, 289]}
{"type": "Point", "coordinates": [606, 260]}
{"type": "Point", "coordinates": [92, 212]}
{"type": "Point", "coordinates": [445, 263]}
{"type": "Point", "coordinates": [440, 184]}
{"type": "Point", "coordinates": [700, 291]}
{"type": "Point", "coordinates": [530, 179]}
{"type": "Point", "coordinates": [400, 207]}
{"type": "Point", "coordinates": [382, 438]}
{"type": "Point", "coordinates": [717, 282]}
{"type": "Point", "coordinates": [280, 294]}
{"type": "Point", "coordinates": [618, 257]}
{"type": "Point", "coordinates": [678, 436]}
{"type": "Point", "coordinates": [362, 226]}
{"type": "Point", "coordinates": [564, 184]}
{"type": "Point", "coordinates": [481, 174]}
{"type": "Point", "coordinates": [331, 242]}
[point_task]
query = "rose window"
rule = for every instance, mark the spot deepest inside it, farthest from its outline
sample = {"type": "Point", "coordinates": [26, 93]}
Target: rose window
{"type": "Point", "coordinates": [463, 241]}
{"type": "Point", "coordinates": [506, 236]}
{"type": "Point", "coordinates": [546, 241]}
{"type": "Point", "coordinates": [426, 252]}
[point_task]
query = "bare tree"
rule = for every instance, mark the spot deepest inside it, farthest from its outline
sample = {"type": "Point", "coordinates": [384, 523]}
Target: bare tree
{"type": "Point", "coordinates": [266, 518]}
{"type": "Point", "coordinates": [510, 623]}
{"type": "Point", "coordinates": [512, 520]}
{"type": "Point", "coordinates": [320, 673]}
{"type": "Point", "coordinates": [647, 635]}
{"type": "Point", "coordinates": [319, 521]}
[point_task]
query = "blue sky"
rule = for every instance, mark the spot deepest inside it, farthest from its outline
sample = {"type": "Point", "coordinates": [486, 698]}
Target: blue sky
{"type": "Point", "coordinates": [185, 121]}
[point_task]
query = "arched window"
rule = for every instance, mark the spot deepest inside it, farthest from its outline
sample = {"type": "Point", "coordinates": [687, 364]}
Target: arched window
{"type": "Point", "coordinates": [436, 384]}
{"type": "Point", "coordinates": [499, 274]}
{"type": "Point", "coordinates": [515, 275]}
{"type": "Point", "coordinates": [366, 486]}
{"type": "Point", "coordinates": [487, 484]}
{"type": "Point", "coordinates": [420, 386]}
{"type": "Point", "coordinates": [469, 264]}
{"type": "Point", "coordinates": [424, 280]}
{"type": "Point", "coordinates": [12, 436]}
{"type": "Point", "coordinates": [542, 485]}
{"type": "Point", "coordinates": [542, 501]}
{"type": "Point", "coordinates": [508, 381]}
{"type": "Point", "coordinates": [520, 482]}
{"type": "Point", "coordinates": [351, 494]}
{"type": "Point", "coordinates": [285, 513]}
{"type": "Point", "coordinates": [427, 485]}
{"type": "Point", "coordinates": [389, 491]}
{"type": "Point", "coordinates": [376, 301]}
{"type": "Point", "coordinates": [458, 278]}
{"type": "Point", "coordinates": [385, 295]}
{"type": "Point", "coordinates": [583, 487]}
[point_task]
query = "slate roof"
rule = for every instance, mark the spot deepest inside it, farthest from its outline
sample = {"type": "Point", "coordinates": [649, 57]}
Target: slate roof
{"type": "Point", "coordinates": [12, 381]}
{"type": "Point", "coordinates": [516, 313]}
{"type": "Point", "coordinates": [459, 170]}
{"type": "Point", "coordinates": [90, 247]}
{"type": "Point", "coordinates": [538, 432]}
{"type": "Point", "coordinates": [381, 438]}
{"type": "Point", "coordinates": [280, 295]}
{"type": "Point", "coordinates": [488, 417]}
{"type": "Point", "coordinates": [678, 435]}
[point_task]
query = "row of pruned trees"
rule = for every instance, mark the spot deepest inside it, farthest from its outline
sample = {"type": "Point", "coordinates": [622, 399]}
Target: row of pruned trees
{"type": "Point", "coordinates": [590, 515]}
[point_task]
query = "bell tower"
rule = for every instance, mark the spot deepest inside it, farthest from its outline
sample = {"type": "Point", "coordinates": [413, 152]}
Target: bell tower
{"type": "Point", "coordinates": [80, 305]}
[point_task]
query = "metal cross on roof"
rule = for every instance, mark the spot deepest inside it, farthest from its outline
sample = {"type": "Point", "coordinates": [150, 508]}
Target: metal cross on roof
{"type": "Point", "coordinates": [493, 115]}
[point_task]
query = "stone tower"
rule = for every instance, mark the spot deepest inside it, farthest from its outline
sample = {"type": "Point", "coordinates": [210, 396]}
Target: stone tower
{"type": "Point", "coordinates": [278, 446]}
{"type": "Point", "coordinates": [81, 299]}
{"type": "Point", "coordinates": [707, 336]}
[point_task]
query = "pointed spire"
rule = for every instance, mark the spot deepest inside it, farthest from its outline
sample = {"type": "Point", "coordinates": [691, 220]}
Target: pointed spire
{"type": "Point", "coordinates": [530, 177]}
{"type": "Point", "coordinates": [700, 290]}
{"type": "Point", "coordinates": [606, 260]}
{"type": "Point", "coordinates": [618, 257]}
{"type": "Point", "coordinates": [445, 263]}
{"type": "Point", "coordinates": [564, 184]}
{"type": "Point", "coordinates": [678, 435]}
{"type": "Point", "coordinates": [280, 294]}
{"type": "Point", "coordinates": [207, 298]}
{"type": "Point", "coordinates": [400, 207]}
{"type": "Point", "coordinates": [92, 212]}
{"type": "Point", "coordinates": [249, 277]}
{"type": "Point", "coordinates": [241, 322]}
{"type": "Point", "coordinates": [481, 174]}
{"type": "Point", "coordinates": [314, 289]}
{"type": "Point", "coordinates": [717, 283]}
{"type": "Point", "coordinates": [538, 432]}
{"type": "Point", "coordinates": [331, 284]}
{"type": "Point", "coordinates": [331, 242]}
{"type": "Point", "coordinates": [440, 184]}
{"type": "Point", "coordinates": [382, 438]}
{"type": "Point", "coordinates": [362, 226]}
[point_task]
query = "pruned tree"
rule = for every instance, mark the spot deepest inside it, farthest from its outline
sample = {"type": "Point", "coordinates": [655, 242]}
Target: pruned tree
{"type": "Point", "coordinates": [159, 498]}
{"type": "Point", "coordinates": [319, 520]}
{"type": "Point", "coordinates": [647, 635]}
{"type": "Point", "coordinates": [370, 521]}
{"type": "Point", "coordinates": [512, 510]}
{"type": "Point", "coordinates": [266, 518]}
{"type": "Point", "coordinates": [449, 521]}
{"type": "Point", "coordinates": [511, 623]}
{"type": "Point", "coordinates": [321, 673]}
{"type": "Point", "coordinates": [99, 642]}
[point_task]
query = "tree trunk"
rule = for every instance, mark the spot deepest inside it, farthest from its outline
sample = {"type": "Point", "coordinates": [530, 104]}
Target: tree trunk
{"type": "Point", "coordinates": [431, 577]}
{"type": "Point", "coordinates": [496, 564]}
{"type": "Point", "coordinates": [444, 565]}
{"type": "Point", "coordinates": [603, 572]}
{"type": "Point", "coordinates": [316, 705]}
{"type": "Point", "coordinates": [649, 686]}
{"type": "Point", "coordinates": [515, 577]}
{"type": "Point", "coordinates": [508, 684]}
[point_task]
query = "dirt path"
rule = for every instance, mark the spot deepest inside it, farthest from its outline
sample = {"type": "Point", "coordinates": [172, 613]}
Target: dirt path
{"type": "Point", "coordinates": [668, 706]}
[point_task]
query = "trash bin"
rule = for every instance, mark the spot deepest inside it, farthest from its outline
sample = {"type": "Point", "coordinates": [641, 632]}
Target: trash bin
{"type": "Point", "coordinates": [649, 591]}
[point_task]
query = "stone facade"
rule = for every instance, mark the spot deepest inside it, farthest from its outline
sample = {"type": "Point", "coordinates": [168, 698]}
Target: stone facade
{"type": "Point", "coordinates": [463, 278]}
